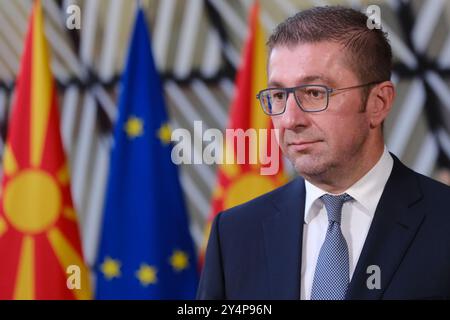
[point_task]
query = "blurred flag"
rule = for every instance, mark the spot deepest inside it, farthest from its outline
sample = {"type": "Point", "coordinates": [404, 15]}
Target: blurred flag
{"type": "Point", "coordinates": [146, 251]}
{"type": "Point", "coordinates": [239, 183]}
{"type": "Point", "coordinates": [39, 238]}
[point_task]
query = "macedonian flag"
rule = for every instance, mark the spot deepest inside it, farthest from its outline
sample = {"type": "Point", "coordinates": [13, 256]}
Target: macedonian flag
{"type": "Point", "coordinates": [41, 256]}
{"type": "Point", "coordinates": [240, 182]}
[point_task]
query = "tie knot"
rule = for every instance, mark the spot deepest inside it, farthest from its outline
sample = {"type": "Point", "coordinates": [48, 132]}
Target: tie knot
{"type": "Point", "coordinates": [333, 204]}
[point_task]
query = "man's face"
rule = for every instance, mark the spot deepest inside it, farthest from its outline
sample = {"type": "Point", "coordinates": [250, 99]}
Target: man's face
{"type": "Point", "coordinates": [323, 144]}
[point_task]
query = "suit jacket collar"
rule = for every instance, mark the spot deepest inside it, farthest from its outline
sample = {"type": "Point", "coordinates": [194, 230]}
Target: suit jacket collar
{"type": "Point", "coordinates": [283, 233]}
{"type": "Point", "coordinates": [394, 226]}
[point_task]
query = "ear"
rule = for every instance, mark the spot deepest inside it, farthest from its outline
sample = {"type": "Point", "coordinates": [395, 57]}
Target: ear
{"type": "Point", "coordinates": [380, 102]}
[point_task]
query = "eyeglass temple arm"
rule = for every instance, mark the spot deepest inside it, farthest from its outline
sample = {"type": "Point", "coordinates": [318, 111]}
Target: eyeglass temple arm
{"type": "Point", "coordinates": [358, 86]}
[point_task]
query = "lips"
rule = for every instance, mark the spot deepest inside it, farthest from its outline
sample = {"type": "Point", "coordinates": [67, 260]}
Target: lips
{"type": "Point", "coordinates": [302, 145]}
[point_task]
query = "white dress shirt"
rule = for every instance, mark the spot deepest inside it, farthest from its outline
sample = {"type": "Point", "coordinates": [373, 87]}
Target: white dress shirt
{"type": "Point", "coordinates": [357, 216]}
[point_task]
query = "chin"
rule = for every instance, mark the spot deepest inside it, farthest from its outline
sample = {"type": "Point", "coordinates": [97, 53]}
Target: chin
{"type": "Point", "coordinates": [309, 167]}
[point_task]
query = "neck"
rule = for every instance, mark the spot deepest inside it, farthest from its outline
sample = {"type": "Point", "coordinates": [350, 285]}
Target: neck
{"type": "Point", "coordinates": [337, 180]}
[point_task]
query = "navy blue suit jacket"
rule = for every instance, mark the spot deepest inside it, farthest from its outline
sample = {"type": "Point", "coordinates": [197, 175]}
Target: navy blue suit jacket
{"type": "Point", "coordinates": [255, 249]}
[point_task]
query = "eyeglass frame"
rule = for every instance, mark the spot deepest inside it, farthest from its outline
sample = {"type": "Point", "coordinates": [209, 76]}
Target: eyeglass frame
{"type": "Point", "coordinates": [292, 90]}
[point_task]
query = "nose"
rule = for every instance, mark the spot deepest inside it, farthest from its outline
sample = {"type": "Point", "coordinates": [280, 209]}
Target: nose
{"type": "Point", "coordinates": [294, 116]}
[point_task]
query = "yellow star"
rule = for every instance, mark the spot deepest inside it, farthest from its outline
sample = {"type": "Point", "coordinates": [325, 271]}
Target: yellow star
{"type": "Point", "coordinates": [134, 127]}
{"type": "Point", "coordinates": [111, 268]}
{"type": "Point", "coordinates": [179, 260]}
{"type": "Point", "coordinates": [165, 133]}
{"type": "Point", "coordinates": [147, 274]}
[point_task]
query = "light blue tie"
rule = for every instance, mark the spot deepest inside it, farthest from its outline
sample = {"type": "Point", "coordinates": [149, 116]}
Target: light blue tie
{"type": "Point", "coordinates": [332, 276]}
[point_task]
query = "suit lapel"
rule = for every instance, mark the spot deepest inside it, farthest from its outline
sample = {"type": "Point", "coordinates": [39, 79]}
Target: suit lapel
{"type": "Point", "coordinates": [394, 226]}
{"type": "Point", "coordinates": [283, 233]}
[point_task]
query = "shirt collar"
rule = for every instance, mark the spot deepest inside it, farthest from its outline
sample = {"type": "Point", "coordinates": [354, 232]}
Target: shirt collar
{"type": "Point", "coordinates": [366, 191]}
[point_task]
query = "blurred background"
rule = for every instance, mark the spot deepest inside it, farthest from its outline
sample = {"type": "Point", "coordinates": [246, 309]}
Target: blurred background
{"type": "Point", "coordinates": [197, 47]}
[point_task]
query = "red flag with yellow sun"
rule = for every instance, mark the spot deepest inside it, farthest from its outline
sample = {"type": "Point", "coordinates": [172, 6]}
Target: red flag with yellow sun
{"type": "Point", "coordinates": [239, 183]}
{"type": "Point", "coordinates": [39, 237]}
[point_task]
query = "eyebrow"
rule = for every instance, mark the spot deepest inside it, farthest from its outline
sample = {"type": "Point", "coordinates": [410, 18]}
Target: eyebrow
{"type": "Point", "coordinates": [304, 80]}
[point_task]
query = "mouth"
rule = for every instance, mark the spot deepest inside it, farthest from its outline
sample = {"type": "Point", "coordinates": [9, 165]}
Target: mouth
{"type": "Point", "coordinates": [302, 145]}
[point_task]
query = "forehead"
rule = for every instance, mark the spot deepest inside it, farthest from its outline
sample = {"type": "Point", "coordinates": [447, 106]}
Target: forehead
{"type": "Point", "coordinates": [309, 62]}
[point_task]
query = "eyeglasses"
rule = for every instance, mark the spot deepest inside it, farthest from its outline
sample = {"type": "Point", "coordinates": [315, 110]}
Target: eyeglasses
{"type": "Point", "coordinates": [310, 97]}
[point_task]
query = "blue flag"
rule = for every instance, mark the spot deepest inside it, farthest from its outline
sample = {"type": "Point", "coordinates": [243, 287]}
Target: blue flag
{"type": "Point", "coordinates": [146, 251]}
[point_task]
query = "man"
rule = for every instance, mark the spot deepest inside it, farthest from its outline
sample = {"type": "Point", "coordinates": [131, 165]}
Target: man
{"type": "Point", "coordinates": [357, 224]}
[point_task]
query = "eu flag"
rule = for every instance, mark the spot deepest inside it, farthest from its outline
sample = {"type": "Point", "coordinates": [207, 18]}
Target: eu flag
{"type": "Point", "coordinates": [146, 251]}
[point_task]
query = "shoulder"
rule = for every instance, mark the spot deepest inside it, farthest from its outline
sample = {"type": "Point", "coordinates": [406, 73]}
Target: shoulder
{"type": "Point", "coordinates": [433, 187]}
{"type": "Point", "coordinates": [263, 206]}
{"type": "Point", "coordinates": [427, 185]}
{"type": "Point", "coordinates": [435, 194]}
{"type": "Point", "coordinates": [430, 193]}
